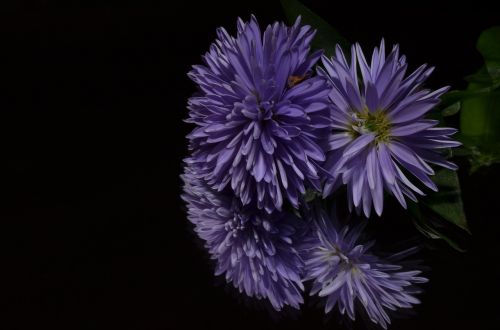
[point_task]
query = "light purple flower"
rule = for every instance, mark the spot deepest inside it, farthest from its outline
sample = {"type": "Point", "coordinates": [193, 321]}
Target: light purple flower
{"type": "Point", "coordinates": [253, 249]}
{"type": "Point", "coordinates": [347, 274]}
{"type": "Point", "coordinates": [261, 118]}
{"type": "Point", "coordinates": [379, 132]}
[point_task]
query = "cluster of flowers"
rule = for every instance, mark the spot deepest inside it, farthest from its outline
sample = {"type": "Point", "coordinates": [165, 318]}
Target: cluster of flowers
{"type": "Point", "coordinates": [270, 124]}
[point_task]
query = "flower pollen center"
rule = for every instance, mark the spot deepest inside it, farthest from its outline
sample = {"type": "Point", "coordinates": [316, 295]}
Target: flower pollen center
{"type": "Point", "coordinates": [375, 122]}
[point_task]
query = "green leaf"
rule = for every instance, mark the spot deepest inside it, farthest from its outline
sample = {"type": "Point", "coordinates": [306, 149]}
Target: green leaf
{"type": "Point", "coordinates": [428, 227]}
{"type": "Point", "coordinates": [451, 110]}
{"type": "Point", "coordinates": [480, 127]}
{"type": "Point", "coordinates": [480, 105]}
{"type": "Point", "coordinates": [480, 77]}
{"type": "Point", "coordinates": [326, 36]}
{"type": "Point", "coordinates": [447, 202]}
{"type": "Point", "coordinates": [480, 153]}
{"type": "Point", "coordinates": [489, 46]}
{"type": "Point", "coordinates": [486, 156]}
{"type": "Point", "coordinates": [479, 89]}
{"type": "Point", "coordinates": [480, 115]}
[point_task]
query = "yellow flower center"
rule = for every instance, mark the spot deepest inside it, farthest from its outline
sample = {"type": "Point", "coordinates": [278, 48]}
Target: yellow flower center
{"type": "Point", "coordinates": [375, 122]}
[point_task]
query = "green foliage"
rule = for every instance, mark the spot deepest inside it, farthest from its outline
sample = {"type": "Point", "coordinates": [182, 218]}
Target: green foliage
{"type": "Point", "coordinates": [439, 215]}
{"type": "Point", "coordinates": [489, 46]}
{"type": "Point", "coordinates": [479, 105]}
{"type": "Point", "coordinates": [447, 202]}
{"type": "Point", "coordinates": [433, 227]}
{"type": "Point", "coordinates": [451, 110]}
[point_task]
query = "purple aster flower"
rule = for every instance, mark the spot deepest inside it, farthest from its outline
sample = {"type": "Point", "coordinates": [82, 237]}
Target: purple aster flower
{"type": "Point", "coordinates": [345, 272]}
{"type": "Point", "coordinates": [254, 249]}
{"type": "Point", "coordinates": [261, 116]}
{"type": "Point", "coordinates": [379, 132]}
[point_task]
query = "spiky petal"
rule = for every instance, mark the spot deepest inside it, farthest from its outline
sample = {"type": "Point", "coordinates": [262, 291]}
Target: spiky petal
{"type": "Point", "coordinates": [261, 117]}
{"type": "Point", "coordinates": [252, 249]}
{"type": "Point", "coordinates": [379, 132]}
{"type": "Point", "coordinates": [346, 273]}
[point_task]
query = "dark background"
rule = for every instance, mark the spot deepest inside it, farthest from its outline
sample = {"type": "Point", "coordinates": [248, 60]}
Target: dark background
{"type": "Point", "coordinates": [93, 230]}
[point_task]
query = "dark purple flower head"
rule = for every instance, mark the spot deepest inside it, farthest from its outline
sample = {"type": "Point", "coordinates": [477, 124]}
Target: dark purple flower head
{"type": "Point", "coordinates": [254, 250]}
{"type": "Point", "coordinates": [260, 115]}
{"type": "Point", "coordinates": [345, 272]}
{"type": "Point", "coordinates": [379, 131]}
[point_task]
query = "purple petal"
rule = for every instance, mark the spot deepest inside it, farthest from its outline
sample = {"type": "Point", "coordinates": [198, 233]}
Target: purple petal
{"type": "Point", "coordinates": [412, 128]}
{"type": "Point", "coordinates": [358, 144]}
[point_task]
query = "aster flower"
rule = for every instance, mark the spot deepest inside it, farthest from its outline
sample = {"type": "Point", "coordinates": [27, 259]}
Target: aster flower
{"type": "Point", "coordinates": [254, 250]}
{"type": "Point", "coordinates": [345, 272]}
{"type": "Point", "coordinates": [379, 132]}
{"type": "Point", "coordinates": [260, 116]}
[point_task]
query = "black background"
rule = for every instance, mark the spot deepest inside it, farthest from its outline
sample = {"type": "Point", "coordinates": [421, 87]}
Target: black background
{"type": "Point", "coordinates": [93, 230]}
